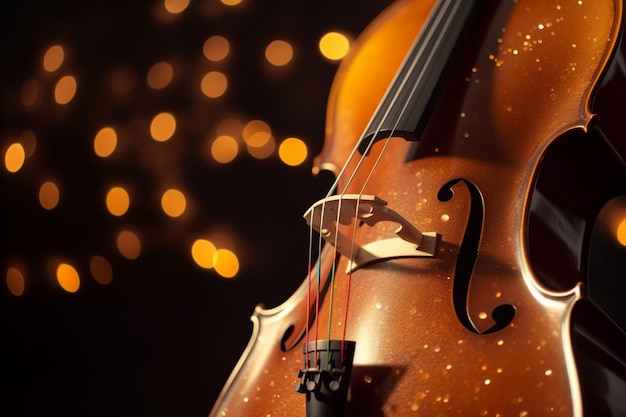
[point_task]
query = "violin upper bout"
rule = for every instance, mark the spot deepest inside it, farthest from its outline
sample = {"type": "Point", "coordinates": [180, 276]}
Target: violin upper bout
{"type": "Point", "coordinates": [365, 74]}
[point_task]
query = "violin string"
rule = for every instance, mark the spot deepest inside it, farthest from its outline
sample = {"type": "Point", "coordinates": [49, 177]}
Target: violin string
{"type": "Point", "coordinates": [332, 283]}
{"type": "Point", "coordinates": [444, 11]}
{"type": "Point", "coordinates": [308, 294]}
{"type": "Point", "coordinates": [388, 140]}
{"type": "Point", "coordinates": [331, 302]}
{"type": "Point", "coordinates": [424, 40]}
{"type": "Point", "coordinates": [354, 151]}
{"type": "Point", "coordinates": [319, 282]}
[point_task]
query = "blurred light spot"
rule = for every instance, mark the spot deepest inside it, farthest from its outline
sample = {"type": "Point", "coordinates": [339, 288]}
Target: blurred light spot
{"type": "Point", "coordinates": [15, 281]}
{"type": "Point", "coordinates": [230, 127]}
{"type": "Point", "coordinates": [101, 270]}
{"type": "Point", "coordinates": [621, 233]}
{"type": "Point", "coordinates": [14, 157]}
{"type": "Point", "coordinates": [334, 45]}
{"type": "Point", "coordinates": [162, 127]}
{"type": "Point", "coordinates": [29, 92]}
{"type": "Point", "coordinates": [253, 127]}
{"type": "Point", "coordinates": [263, 151]}
{"type": "Point", "coordinates": [68, 277]}
{"type": "Point", "coordinates": [224, 149]}
{"type": "Point", "coordinates": [65, 89]}
{"type": "Point", "coordinates": [292, 151]}
{"type": "Point", "coordinates": [160, 75]}
{"type": "Point", "coordinates": [48, 195]}
{"type": "Point", "coordinates": [29, 143]}
{"type": "Point", "coordinates": [117, 201]}
{"type": "Point", "coordinates": [216, 48]}
{"type": "Point", "coordinates": [105, 142]}
{"type": "Point", "coordinates": [128, 244]}
{"type": "Point", "coordinates": [231, 2]}
{"type": "Point", "coordinates": [225, 263]}
{"type": "Point", "coordinates": [175, 6]}
{"type": "Point", "coordinates": [173, 202]}
{"type": "Point", "coordinates": [202, 252]}
{"type": "Point", "coordinates": [279, 53]}
{"type": "Point", "coordinates": [214, 84]}
{"type": "Point", "coordinates": [53, 58]}
{"type": "Point", "coordinates": [258, 139]}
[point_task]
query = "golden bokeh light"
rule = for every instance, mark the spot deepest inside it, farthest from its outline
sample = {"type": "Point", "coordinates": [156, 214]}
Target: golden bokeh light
{"type": "Point", "coordinates": [279, 53]}
{"type": "Point", "coordinates": [15, 281]}
{"type": "Point", "coordinates": [29, 92]}
{"type": "Point", "coordinates": [117, 201]}
{"type": "Point", "coordinates": [334, 45]}
{"type": "Point", "coordinates": [231, 127]}
{"type": "Point", "coordinates": [53, 58]}
{"type": "Point", "coordinates": [175, 6]}
{"type": "Point", "coordinates": [264, 151]}
{"type": "Point", "coordinates": [258, 139]}
{"type": "Point", "coordinates": [257, 135]}
{"type": "Point", "coordinates": [29, 142]}
{"type": "Point", "coordinates": [202, 252]}
{"type": "Point", "coordinates": [216, 48]}
{"type": "Point", "coordinates": [160, 75]}
{"type": "Point", "coordinates": [162, 127]}
{"type": "Point", "coordinates": [101, 270]}
{"type": "Point", "coordinates": [253, 127]}
{"type": "Point", "coordinates": [14, 157]}
{"type": "Point", "coordinates": [49, 195]}
{"type": "Point", "coordinates": [123, 103]}
{"type": "Point", "coordinates": [224, 149]}
{"type": "Point", "coordinates": [128, 244]}
{"type": "Point", "coordinates": [68, 277]}
{"type": "Point", "coordinates": [226, 263]}
{"type": "Point", "coordinates": [621, 233]}
{"type": "Point", "coordinates": [65, 89]}
{"type": "Point", "coordinates": [105, 142]}
{"type": "Point", "coordinates": [173, 202]}
{"type": "Point", "coordinates": [292, 151]}
{"type": "Point", "coordinates": [214, 84]}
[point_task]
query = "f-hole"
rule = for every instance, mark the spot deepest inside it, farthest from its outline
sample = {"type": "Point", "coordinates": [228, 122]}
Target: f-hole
{"type": "Point", "coordinates": [466, 259]}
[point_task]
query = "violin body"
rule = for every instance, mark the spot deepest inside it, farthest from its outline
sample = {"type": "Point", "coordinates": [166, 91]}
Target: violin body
{"type": "Point", "coordinates": [498, 321]}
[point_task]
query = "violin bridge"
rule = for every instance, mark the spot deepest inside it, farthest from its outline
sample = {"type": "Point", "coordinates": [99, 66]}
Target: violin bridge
{"type": "Point", "coordinates": [325, 215]}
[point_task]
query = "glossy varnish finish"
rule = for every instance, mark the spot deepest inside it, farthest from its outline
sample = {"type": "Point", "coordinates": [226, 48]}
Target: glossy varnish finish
{"type": "Point", "coordinates": [426, 339]}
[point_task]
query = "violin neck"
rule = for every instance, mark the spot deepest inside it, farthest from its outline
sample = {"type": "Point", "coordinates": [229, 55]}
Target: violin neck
{"type": "Point", "coordinates": [405, 106]}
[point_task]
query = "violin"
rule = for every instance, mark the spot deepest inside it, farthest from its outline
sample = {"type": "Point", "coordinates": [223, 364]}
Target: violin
{"type": "Point", "coordinates": [468, 258]}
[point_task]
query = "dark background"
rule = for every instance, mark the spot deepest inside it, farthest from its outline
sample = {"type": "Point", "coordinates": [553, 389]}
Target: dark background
{"type": "Point", "coordinates": [163, 336]}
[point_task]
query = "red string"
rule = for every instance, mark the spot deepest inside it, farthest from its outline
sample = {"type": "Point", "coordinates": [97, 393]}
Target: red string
{"type": "Point", "coordinates": [317, 306]}
{"type": "Point", "coordinates": [345, 314]}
